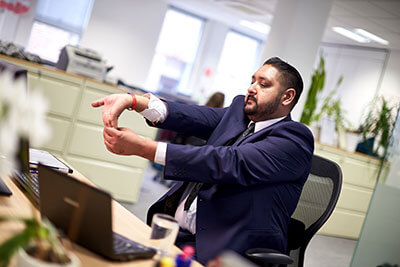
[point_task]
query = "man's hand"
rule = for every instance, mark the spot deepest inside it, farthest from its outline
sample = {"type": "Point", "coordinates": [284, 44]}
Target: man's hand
{"type": "Point", "coordinates": [123, 141]}
{"type": "Point", "coordinates": [114, 105]}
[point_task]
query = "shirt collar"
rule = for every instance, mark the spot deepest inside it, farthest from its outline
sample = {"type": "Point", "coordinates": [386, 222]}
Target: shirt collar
{"type": "Point", "coordinates": [264, 124]}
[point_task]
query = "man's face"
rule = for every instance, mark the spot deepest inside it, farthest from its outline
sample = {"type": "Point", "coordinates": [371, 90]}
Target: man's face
{"type": "Point", "coordinates": [264, 94]}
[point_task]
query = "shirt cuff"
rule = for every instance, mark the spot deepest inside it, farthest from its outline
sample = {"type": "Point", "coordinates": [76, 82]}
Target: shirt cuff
{"type": "Point", "coordinates": [161, 153]}
{"type": "Point", "coordinates": [156, 110]}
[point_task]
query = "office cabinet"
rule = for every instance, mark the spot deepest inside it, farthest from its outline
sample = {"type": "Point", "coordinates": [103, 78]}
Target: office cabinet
{"type": "Point", "coordinates": [60, 127]}
{"type": "Point", "coordinates": [77, 129]}
{"type": "Point", "coordinates": [359, 177]}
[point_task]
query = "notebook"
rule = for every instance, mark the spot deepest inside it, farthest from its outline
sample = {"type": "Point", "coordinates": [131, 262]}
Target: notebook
{"type": "Point", "coordinates": [83, 213]}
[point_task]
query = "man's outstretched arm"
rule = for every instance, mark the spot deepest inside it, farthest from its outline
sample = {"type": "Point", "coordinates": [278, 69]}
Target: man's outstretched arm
{"type": "Point", "coordinates": [115, 104]}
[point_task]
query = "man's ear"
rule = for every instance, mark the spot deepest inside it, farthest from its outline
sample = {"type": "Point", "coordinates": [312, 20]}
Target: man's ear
{"type": "Point", "coordinates": [288, 96]}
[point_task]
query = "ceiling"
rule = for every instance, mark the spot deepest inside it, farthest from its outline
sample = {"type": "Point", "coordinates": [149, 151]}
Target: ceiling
{"type": "Point", "coordinates": [380, 17]}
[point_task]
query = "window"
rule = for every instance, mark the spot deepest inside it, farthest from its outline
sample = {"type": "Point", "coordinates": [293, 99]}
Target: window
{"type": "Point", "coordinates": [58, 23]}
{"type": "Point", "coordinates": [175, 53]}
{"type": "Point", "coordinates": [236, 65]}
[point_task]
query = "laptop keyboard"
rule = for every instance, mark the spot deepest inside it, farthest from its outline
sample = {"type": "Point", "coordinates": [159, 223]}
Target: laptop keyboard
{"type": "Point", "coordinates": [123, 245]}
{"type": "Point", "coordinates": [29, 182]}
{"type": "Point", "coordinates": [4, 190]}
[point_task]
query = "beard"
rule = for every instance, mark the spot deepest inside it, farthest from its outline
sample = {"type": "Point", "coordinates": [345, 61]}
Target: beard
{"type": "Point", "coordinates": [261, 111]}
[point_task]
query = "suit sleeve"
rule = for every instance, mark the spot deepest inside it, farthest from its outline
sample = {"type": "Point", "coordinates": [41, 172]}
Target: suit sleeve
{"type": "Point", "coordinates": [192, 120]}
{"type": "Point", "coordinates": [283, 155]}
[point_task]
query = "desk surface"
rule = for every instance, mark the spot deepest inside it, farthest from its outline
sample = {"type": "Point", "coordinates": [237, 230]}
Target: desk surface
{"type": "Point", "coordinates": [124, 223]}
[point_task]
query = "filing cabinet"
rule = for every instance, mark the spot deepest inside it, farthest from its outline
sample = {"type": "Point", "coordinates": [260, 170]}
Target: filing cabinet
{"type": "Point", "coordinates": [77, 129]}
{"type": "Point", "coordinates": [360, 174]}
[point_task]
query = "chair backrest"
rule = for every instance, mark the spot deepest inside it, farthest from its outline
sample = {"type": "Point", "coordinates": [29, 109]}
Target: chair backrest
{"type": "Point", "coordinates": [317, 201]}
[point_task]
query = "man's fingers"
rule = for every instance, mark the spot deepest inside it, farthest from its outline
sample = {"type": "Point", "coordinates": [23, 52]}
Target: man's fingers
{"type": "Point", "coordinates": [110, 132]}
{"type": "Point", "coordinates": [108, 144]}
{"type": "Point", "coordinates": [109, 147]}
{"type": "Point", "coordinates": [98, 103]}
{"type": "Point", "coordinates": [106, 136]}
{"type": "Point", "coordinates": [108, 141]}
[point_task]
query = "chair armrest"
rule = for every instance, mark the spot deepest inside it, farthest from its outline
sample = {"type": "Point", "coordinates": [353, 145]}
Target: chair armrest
{"type": "Point", "coordinates": [268, 256]}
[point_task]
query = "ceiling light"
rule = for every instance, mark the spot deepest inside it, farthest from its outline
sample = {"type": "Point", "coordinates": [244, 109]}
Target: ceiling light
{"type": "Point", "coordinates": [352, 35]}
{"type": "Point", "coordinates": [371, 36]}
{"type": "Point", "coordinates": [256, 26]}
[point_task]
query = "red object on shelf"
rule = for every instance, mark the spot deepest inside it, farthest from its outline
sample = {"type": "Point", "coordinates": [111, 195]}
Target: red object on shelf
{"type": "Point", "coordinates": [16, 6]}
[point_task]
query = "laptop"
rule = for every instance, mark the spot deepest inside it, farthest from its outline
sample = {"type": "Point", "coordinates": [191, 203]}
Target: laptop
{"type": "Point", "coordinates": [83, 213]}
{"type": "Point", "coordinates": [25, 175]}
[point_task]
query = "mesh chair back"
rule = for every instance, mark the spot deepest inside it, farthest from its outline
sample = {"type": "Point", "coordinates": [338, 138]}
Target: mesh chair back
{"type": "Point", "coordinates": [317, 201]}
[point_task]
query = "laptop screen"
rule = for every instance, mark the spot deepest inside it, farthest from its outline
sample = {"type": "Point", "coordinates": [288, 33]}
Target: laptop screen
{"type": "Point", "coordinates": [81, 211]}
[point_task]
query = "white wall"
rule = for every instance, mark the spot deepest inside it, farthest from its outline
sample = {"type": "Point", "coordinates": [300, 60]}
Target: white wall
{"type": "Point", "coordinates": [25, 24]}
{"type": "Point", "coordinates": [367, 73]}
{"type": "Point", "coordinates": [8, 25]}
{"type": "Point", "coordinates": [361, 69]}
{"type": "Point", "coordinates": [126, 32]}
{"type": "Point", "coordinates": [390, 87]}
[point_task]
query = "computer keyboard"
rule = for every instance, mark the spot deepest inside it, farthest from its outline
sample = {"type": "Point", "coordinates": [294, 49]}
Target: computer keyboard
{"type": "Point", "coordinates": [4, 190]}
{"type": "Point", "coordinates": [123, 245]}
{"type": "Point", "coordinates": [30, 184]}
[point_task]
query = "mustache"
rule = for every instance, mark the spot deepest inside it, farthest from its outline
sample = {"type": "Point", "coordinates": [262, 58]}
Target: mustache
{"type": "Point", "coordinates": [252, 97]}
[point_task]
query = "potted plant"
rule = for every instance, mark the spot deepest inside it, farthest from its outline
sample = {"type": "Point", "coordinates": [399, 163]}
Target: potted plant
{"type": "Point", "coordinates": [333, 112]}
{"type": "Point", "coordinates": [376, 127]}
{"type": "Point", "coordinates": [332, 108]}
{"type": "Point", "coordinates": [37, 245]}
{"type": "Point", "coordinates": [317, 84]}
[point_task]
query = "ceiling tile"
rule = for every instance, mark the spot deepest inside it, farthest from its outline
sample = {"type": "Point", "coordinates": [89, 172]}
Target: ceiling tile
{"type": "Point", "coordinates": [364, 9]}
{"type": "Point", "coordinates": [391, 6]}
{"type": "Point", "coordinates": [338, 10]}
{"type": "Point", "coordinates": [392, 25]}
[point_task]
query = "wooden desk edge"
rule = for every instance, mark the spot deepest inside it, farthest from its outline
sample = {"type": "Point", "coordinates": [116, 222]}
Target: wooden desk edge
{"type": "Point", "coordinates": [124, 222]}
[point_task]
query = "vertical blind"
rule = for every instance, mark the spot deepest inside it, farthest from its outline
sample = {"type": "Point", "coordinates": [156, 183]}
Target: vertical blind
{"type": "Point", "coordinates": [70, 15]}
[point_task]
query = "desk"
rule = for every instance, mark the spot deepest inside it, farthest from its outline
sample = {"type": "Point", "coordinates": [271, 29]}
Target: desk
{"type": "Point", "coordinates": [124, 223]}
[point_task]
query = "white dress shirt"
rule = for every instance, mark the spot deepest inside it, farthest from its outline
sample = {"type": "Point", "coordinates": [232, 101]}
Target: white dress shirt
{"type": "Point", "coordinates": [157, 112]}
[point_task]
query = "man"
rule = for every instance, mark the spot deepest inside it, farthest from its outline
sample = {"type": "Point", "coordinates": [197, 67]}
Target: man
{"type": "Point", "coordinates": [246, 187]}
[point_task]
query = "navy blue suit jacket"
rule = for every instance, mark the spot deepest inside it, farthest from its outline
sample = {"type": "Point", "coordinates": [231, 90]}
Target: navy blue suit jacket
{"type": "Point", "coordinates": [250, 188]}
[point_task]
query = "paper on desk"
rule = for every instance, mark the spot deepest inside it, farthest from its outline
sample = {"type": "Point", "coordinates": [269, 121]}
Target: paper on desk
{"type": "Point", "coordinates": [37, 156]}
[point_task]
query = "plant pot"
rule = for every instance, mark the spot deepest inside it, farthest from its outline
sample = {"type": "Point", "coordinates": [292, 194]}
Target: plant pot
{"type": "Point", "coordinates": [341, 139]}
{"type": "Point", "coordinates": [315, 130]}
{"type": "Point", "coordinates": [352, 140]}
{"type": "Point", "coordinates": [328, 135]}
{"type": "Point", "coordinates": [25, 260]}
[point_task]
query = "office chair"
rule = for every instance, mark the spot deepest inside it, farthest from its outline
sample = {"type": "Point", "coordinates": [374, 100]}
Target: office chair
{"type": "Point", "coordinates": [317, 202]}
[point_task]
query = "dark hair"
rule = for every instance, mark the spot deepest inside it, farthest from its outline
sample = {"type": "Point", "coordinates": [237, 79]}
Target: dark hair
{"type": "Point", "coordinates": [216, 100]}
{"type": "Point", "coordinates": [289, 78]}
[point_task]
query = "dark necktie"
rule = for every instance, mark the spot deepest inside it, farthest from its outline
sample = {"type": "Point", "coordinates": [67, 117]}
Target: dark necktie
{"type": "Point", "coordinates": [196, 188]}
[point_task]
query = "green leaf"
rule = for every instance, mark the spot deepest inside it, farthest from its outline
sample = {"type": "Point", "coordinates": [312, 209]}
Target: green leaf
{"type": "Point", "coordinates": [316, 86]}
{"type": "Point", "coordinates": [9, 247]}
